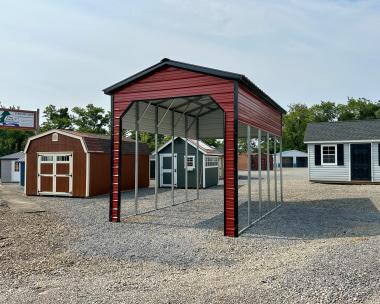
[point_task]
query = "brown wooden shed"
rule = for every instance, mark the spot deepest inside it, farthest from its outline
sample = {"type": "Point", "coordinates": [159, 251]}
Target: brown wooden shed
{"type": "Point", "coordinates": [70, 163]}
{"type": "Point", "coordinates": [243, 161]}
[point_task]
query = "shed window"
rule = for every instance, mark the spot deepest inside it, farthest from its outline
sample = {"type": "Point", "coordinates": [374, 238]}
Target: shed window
{"type": "Point", "coordinates": [47, 158]}
{"type": "Point", "coordinates": [190, 162]}
{"type": "Point", "coordinates": [212, 161]}
{"type": "Point", "coordinates": [63, 158]}
{"type": "Point", "coordinates": [17, 167]}
{"type": "Point", "coordinates": [329, 155]}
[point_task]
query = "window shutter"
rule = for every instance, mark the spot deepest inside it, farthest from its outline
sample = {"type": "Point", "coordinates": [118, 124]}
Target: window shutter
{"type": "Point", "coordinates": [317, 155]}
{"type": "Point", "coordinates": [378, 150]}
{"type": "Point", "coordinates": [340, 156]}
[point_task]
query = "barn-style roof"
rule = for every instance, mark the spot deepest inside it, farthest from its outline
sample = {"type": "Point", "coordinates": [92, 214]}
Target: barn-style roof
{"type": "Point", "coordinates": [242, 79]}
{"type": "Point", "coordinates": [355, 130]}
{"type": "Point", "coordinates": [96, 142]}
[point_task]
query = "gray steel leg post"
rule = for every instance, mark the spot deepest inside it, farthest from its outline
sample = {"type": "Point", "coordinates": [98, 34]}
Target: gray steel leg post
{"type": "Point", "coordinates": [281, 179]}
{"type": "Point", "coordinates": [172, 159]}
{"type": "Point", "coordinates": [249, 173]}
{"type": "Point", "coordinates": [156, 162]}
{"type": "Point", "coordinates": [197, 157]}
{"type": "Point", "coordinates": [137, 158]}
{"type": "Point", "coordinates": [186, 156]}
{"type": "Point", "coordinates": [259, 171]}
{"type": "Point", "coordinates": [275, 169]}
{"type": "Point", "coordinates": [268, 166]}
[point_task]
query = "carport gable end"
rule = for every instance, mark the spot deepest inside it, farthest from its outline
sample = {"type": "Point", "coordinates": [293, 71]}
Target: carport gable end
{"type": "Point", "coordinates": [238, 98]}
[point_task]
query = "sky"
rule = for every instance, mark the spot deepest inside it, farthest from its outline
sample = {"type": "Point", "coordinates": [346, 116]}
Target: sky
{"type": "Point", "coordinates": [66, 52]}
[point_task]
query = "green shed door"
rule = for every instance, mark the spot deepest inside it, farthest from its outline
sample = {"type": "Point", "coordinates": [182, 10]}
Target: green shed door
{"type": "Point", "coordinates": [166, 170]}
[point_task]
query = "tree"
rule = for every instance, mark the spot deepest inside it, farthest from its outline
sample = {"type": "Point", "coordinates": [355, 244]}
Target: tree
{"type": "Point", "coordinates": [358, 109]}
{"type": "Point", "coordinates": [294, 126]}
{"type": "Point", "coordinates": [56, 119]}
{"type": "Point", "coordinates": [323, 112]}
{"type": "Point", "coordinates": [91, 119]}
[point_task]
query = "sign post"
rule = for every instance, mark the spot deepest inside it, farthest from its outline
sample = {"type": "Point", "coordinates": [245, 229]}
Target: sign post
{"type": "Point", "coordinates": [19, 119]}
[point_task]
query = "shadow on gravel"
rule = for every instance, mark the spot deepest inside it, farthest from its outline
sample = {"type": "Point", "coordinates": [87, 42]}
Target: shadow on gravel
{"type": "Point", "coordinates": [320, 219]}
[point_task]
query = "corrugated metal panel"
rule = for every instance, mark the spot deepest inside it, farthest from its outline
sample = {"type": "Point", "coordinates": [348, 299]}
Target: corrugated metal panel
{"type": "Point", "coordinates": [257, 113]}
{"type": "Point", "coordinates": [174, 82]}
{"type": "Point", "coordinates": [327, 172]}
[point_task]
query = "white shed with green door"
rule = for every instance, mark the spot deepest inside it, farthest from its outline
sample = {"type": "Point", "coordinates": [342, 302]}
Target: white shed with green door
{"type": "Point", "coordinates": [208, 164]}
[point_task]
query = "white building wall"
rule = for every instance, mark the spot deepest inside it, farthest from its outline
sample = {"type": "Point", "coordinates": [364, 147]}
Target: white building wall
{"type": "Point", "coordinates": [329, 172]}
{"type": "Point", "coordinates": [375, 162]}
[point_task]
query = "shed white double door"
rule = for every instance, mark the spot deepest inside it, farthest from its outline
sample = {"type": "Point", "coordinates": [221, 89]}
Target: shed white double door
{"type": "Point", "coordinates": [166, 170]}
{"type": "Point", "coordinates": [55, 174]}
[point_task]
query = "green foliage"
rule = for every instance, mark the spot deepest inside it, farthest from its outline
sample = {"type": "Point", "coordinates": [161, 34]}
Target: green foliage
{"type": "Point", "coordinates": [299, 115]}
{"type": "Point", "coordinates": [13, 141]}
{"type": "Point", "coordinates": [148, 138]}
{"type": "Point", "coordinates": [56, 119]}
{"type": "Point", "coordinates": [90, 119]}
{"type": "Point", "coordinates": [294, 126]}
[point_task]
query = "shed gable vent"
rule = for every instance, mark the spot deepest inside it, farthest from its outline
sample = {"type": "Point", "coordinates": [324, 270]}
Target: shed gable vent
{"type": "Point", "coordinates": [54, 137]}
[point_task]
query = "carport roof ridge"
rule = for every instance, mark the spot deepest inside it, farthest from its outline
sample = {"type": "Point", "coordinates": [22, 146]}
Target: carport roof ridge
{"type": "Point", "coordinates": [339, 131]}
{"type": "Point", "coordinates": [245, 81]}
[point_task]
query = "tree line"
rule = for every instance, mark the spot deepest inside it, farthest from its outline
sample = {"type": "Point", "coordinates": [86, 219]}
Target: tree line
{"type": "Point", "coordinates": [93, 119]}
{"type": "Point", "coordinates": [299, 115]}
{"type": "Point", "coordinates": [89, 119]}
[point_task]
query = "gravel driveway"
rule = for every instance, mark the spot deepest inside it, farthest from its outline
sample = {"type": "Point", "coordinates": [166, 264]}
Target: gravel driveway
{"type": "Point", "coordinates": [321, 246]}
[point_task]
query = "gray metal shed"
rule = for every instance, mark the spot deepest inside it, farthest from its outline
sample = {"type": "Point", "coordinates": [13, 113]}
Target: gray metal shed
{"type": "Point", "coordinates": [10, 167]}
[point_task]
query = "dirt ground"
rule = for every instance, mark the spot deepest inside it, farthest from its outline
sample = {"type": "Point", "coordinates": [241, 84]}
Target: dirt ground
{"type": "Point", "coordinates": [321, 246]}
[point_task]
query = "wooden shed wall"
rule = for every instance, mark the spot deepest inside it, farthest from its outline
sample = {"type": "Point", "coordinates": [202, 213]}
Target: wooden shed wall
{"type": "Point", "coordinates": [64, 144]}
{"type": "Point", "coordinates": [100, 182]}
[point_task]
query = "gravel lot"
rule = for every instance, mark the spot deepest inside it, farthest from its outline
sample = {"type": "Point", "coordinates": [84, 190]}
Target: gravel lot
{"type": "Point", "coordinates": [321, 246]}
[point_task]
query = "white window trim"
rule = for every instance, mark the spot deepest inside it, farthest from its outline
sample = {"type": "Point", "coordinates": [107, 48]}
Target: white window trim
{"type": "Point", "coordinates": [214, 166]}
{"type": "Point", "coordinates": [336, 155]}
{"type": "Point", "coordinates": [189, 168]}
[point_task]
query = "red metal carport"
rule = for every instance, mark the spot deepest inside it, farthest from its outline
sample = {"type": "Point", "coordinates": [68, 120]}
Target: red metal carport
{"type": "Point", "coordinates": [193, 90]}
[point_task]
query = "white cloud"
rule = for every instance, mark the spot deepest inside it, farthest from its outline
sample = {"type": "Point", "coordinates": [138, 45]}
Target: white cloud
{"type": "Point", "coordinates": [66, 53]}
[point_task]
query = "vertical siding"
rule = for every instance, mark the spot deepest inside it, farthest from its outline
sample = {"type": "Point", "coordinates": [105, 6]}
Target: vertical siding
{"type": "Point", "coordinates": [329, 173]}
{"type": "Point", "coordinates": [375, 162]}
{"type": "Point", "coordinates": [64, 144]}
{"type": "Point", "coordinates": [6, 171]}
{"type": "Point", "coordinates": [257, 113]}
{"type": "Point", "coordinates": [173, 82]}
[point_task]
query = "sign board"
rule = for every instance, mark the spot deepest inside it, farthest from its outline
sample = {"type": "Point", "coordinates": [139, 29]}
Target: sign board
{"type": "Point", "coordinates": [18, 119]}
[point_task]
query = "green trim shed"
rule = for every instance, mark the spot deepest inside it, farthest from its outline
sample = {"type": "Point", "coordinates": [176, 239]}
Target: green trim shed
{"type": "Point", "coordinates": [208, 164]}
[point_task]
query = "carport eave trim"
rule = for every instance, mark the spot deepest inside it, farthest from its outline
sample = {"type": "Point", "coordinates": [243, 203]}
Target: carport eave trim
{"type": "Point", "coordinates": [240, 78]}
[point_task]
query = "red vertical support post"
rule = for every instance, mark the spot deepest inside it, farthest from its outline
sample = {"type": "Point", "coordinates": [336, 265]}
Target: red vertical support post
{"type": "Point", "coordinates": [116, 140]}
{"type": "Point", "coordinates": [231, 225]}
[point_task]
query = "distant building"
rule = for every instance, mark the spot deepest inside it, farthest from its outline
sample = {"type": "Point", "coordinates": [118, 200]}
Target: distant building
{"type": "Point", "coordinates": [344, 151]}
{"type": "Point", "coordinates": [209, 159]}
{"type": "Point", "coordinates": [10, 167]}
{"type": "Point", "coordinates": [292, 159]}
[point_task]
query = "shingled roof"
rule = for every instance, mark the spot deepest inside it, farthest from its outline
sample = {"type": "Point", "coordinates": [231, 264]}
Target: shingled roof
{"type": "Point", "coordinates": [343, 131]}
{"type": "Point", "coordinates": [101, 143]}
